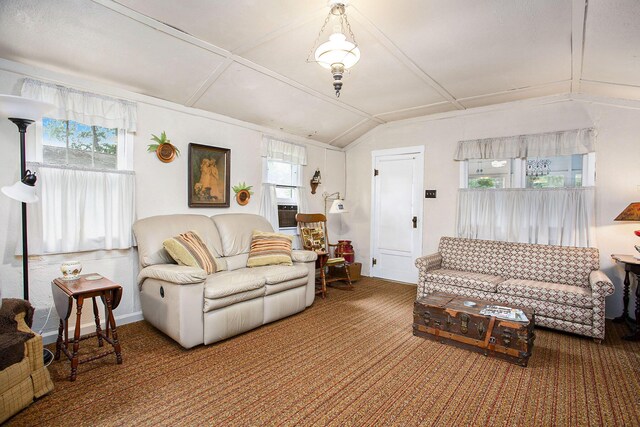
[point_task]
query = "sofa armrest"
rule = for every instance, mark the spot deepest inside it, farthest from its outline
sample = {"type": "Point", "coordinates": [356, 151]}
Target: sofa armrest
{"type": "Point", "coordinates": [600, 283]}
{"type": "Point", "coordinates": [298, 255]}
{"type": "Point", "coordinates": [429, 262]}
{"type": "Point", "coordinates": [174, 273]}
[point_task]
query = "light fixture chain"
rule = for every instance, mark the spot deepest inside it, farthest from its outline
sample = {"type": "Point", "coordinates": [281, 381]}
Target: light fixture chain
{"type": "Point", "coordinates": [315, 43]}
{"type": "Point", "coordinates": [353, 37]}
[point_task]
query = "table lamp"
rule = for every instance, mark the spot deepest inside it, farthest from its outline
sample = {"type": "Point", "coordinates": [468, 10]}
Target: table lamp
{"type": "Point", "coordinates": [631, 213]}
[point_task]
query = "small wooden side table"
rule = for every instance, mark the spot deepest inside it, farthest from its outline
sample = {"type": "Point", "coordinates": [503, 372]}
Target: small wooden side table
{"type": "Point", "coordinates": [87, 286]}
{"type": "Point", "coordinates": [631, 265]}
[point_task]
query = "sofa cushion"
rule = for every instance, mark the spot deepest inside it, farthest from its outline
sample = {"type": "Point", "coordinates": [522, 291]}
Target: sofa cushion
{"type": "Point", "coordinates": [227, 283]}
{"type": "Point", "coordinates": [575, 296]}
{"type": "Point", "coordinates": [285, 286]}
{"type": "Point", "coordinates": [189, 249]}
{"type": "Point", "coordinates": [547, 309]}
{"type": "Point", "coordinates": [151, 232]}
{"type": "Point", "coordinates": [269, 249]}
{"type": "Point", "coordinates": [214, 304]}
{"type": "Point", "coordinates": [274, 274]}
{"type": "Point", "coordinates": [236, 231]}
{"type": "Point", "coordinates": [467, 279]}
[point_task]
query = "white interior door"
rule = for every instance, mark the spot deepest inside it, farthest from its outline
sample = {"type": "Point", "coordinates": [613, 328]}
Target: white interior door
{"type": "Point", "coordinates": [396, 226]}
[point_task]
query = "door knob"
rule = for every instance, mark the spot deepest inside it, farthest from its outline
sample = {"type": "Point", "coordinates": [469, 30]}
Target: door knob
{"type": "Point", "coordinates": [415, 222]}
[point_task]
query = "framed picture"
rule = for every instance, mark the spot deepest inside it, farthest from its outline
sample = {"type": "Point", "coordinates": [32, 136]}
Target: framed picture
{"type": "Point", "coordinates": [209, 176]}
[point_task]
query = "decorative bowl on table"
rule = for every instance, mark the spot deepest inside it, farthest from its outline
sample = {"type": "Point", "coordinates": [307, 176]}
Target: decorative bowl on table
{"type": "Point", "coordinates": [71, 270]}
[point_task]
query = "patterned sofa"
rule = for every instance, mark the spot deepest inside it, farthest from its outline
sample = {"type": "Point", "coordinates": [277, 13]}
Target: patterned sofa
{"type": "Point", "coordinates": [562, 284]}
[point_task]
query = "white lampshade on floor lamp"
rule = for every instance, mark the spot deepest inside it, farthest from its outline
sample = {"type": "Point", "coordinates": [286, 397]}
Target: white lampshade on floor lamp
{"type": "Point", "coordinates": [22, 112]}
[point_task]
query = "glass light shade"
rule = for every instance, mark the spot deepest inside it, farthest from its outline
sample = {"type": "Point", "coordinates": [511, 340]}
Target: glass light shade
{"type": "Point", "coordinates": [17, 107]}
{"type": "Point", "coordinates": [21, 192]}
{"type": "Point", "coordinates": [337, 51]}
{"type": "Point", "coordinates": [338, 206]}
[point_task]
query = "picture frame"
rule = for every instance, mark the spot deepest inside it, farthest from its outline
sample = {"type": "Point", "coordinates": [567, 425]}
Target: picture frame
{"type": "Point", "coordinates": [209, 171]}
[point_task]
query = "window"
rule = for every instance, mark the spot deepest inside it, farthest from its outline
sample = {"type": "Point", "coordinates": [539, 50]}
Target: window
{"type": "Point", "coordinates": [554, 172]}
{"type": "Point", "coordinates": [66, 142]}
{"type": "Point", "coordinates": [286, 177]}
{"type": "Point", "coordinates": [537, 172]}
{"type": "Point", "coordinates": [83, 159]}
{"type": "Point", "coordinates": [489, 173]}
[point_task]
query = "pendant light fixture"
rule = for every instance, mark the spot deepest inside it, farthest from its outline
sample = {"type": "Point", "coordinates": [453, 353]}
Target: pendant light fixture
{"type": "Point", "coordinates": [341, 52]}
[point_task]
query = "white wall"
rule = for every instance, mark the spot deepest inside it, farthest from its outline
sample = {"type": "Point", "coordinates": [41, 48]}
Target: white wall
{"type": "Point", "coordinates": [160, 188]}
{"type": "Point", "coordinates": [617, 170]}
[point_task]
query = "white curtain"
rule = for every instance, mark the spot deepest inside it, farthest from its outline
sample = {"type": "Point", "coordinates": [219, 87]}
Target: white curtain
{"type": "Point", "coordinates": [81, 210]}
{"type": "Point", "coordinates": [562, 143]}
{"type": "Point", "coordinates": [269, 205]}
{"type": "Point", "coordinates": [300, 194]}
{"type": "Point", "coordinates": [84, 107]}
{"type": "Point", "coordinates": [554, 216]}
{"type": "Point", "coordinates": [282, 151]}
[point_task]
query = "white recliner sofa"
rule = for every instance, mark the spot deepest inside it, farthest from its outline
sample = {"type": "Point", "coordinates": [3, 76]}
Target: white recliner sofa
{"type": "Point", "coordinates": [193, 308]}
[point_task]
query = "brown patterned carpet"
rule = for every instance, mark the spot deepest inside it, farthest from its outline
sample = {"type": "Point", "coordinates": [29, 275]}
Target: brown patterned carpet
{"type": "Point", "coordinates": [348, 360]}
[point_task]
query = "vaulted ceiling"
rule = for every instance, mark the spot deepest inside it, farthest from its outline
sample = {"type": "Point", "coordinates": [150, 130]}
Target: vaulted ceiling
{"type": "Point", "coordinates": [247, 58]}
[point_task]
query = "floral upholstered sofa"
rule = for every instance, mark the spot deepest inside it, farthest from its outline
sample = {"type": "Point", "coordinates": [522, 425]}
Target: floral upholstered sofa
{"type": "Point", "coordinates": [562, 284]}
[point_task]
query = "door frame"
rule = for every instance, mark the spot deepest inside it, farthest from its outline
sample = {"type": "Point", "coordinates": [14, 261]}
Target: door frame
{"type": "Point", "coordinates": [418, 150]}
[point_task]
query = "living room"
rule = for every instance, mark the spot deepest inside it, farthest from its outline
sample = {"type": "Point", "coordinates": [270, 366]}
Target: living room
{"type": "Point", "coordinates": [527, 70]}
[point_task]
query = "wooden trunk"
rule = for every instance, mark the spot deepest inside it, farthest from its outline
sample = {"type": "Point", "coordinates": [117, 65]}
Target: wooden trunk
{"type": "Point", "coordinates": [445, 318]}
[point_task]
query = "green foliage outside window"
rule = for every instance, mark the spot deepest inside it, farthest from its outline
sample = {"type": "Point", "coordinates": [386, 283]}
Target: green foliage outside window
{"type": "Point", "coordinates": [72, 143]}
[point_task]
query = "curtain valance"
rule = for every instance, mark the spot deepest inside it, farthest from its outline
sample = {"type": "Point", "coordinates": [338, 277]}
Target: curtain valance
{"type": "Point", "coordinates": [274, 149]}
{"type": "Point", "coordinates": [562, 143]}
{"type": "Point", "coordinates": [84, 107]}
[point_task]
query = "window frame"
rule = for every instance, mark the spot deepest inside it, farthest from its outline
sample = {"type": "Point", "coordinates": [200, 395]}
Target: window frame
{"type": "Point", "coordinates": [265, 175]}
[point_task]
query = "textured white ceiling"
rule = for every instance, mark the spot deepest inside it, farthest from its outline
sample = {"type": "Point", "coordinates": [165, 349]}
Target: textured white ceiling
{"type": "Point", "coordinates": [246, 58]}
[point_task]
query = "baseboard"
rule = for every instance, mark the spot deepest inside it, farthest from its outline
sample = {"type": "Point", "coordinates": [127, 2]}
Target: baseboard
{"type": "Point", "coordinates": [86, 328]}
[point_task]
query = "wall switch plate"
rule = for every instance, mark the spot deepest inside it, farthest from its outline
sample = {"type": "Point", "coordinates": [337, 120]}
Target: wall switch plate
{"type": "Point", "coordinates": [429, 194]}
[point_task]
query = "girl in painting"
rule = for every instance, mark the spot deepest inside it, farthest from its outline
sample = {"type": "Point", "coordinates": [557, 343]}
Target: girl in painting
{"type": "Point", "coordinates": [208, 187]}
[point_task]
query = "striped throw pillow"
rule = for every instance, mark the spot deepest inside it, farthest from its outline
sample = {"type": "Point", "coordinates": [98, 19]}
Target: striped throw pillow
{"type": "Point", "coordinates": [269, 249]}
{"type": "Point", "coordinates": [189, 249]}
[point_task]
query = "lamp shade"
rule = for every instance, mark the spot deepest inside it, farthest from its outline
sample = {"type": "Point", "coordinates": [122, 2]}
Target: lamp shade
{"type": "Point", "coordinates": [337, 51]}
{"type": "Point", "coordinates": [630, 213]}
{"type": "Point", "coordinates": [17, 107]}
{"type": "Point", "coordinates": [21, 192]}
{"type": "Point", "coordinates": [338, 206]}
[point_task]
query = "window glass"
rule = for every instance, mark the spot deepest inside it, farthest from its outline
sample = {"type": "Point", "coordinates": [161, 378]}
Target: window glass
{"type": "Point", "coordinates": [285, 176]}
{"type": "Point", "coordinates": [66, 142]}
{"type": "Point", "coordinates": [282, 173]}
{"type": "Point", "coordinates": [489, 173]}
{"type": "Point", "coordinates": [550, 172]}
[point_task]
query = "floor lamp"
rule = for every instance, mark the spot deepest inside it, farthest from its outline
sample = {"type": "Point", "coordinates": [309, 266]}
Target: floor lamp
{"type": "Point", "coordinates": [22, 112]}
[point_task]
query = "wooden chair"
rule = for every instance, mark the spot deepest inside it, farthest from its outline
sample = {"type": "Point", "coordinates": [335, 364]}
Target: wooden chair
{"type": "Point", "coordinates": [313, 233]}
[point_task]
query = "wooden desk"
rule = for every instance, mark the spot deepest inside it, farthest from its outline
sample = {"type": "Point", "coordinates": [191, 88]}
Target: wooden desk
{"type": "Point", "coordinates": [64, 292]}
{"type": "Point", "coordinates": [631, 265]}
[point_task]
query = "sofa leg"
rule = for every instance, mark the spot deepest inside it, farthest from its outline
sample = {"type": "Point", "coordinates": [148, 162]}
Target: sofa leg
{"type": "Point", "coordinates": [597, 340]}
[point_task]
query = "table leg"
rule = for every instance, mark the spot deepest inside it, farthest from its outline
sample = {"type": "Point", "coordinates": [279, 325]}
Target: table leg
{"type": "Point", "coordinates": [635, 331]}
{"type": "Point", "coordinates": [96, 316]}
{"type": "Point", "coordinates": [59, 341]}
{"type": "Point", "coordinates": [625, 300]}
{"type": "Point", "coordinates": [76, 340]}
{"type": "Point", "coordinates": [112, 322]}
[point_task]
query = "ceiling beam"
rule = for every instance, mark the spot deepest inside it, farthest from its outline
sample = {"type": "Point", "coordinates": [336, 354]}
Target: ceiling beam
{"type": "Point", "coordinates": [208, 82]}
{"type": "Point", "coordinates": [403, 58]}
{"type": "Point", "coordinates": [578, 26]}
{"type": "Point", "coordinates": [171, 31]}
